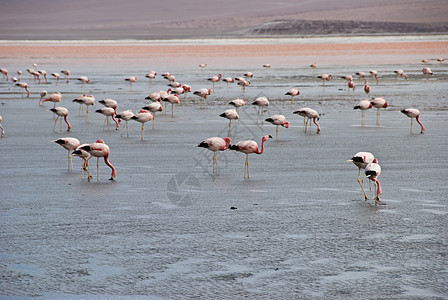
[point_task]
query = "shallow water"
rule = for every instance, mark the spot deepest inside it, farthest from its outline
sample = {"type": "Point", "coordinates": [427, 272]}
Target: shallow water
{"type": "Point", "coordinates": [165, 228]}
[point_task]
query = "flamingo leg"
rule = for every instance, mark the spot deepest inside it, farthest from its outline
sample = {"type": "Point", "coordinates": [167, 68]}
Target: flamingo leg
{"type": "Point", "coordinates": [411, 125]}
{"type": "Point", "coordinates": [60, 129]}
{"type": "Point", "coordinates": [172, 110]}
{"type": "Point", "coordinates": [98, 169]}
{"type": "Point", "coordinates": [363, 122]}
{"type": "Point", "coordinates": [276, 133]}
{"type": "Point", "coordinates": [55, 121]}
{"type": "Point", "coordinates": [88, 169]}
{"type": "Point", "coordinates": [143, 129]}
{"type": "Point", "coordinates": [70, 161]}
{"type": "Point", "coordinates": [127, 129]}
{"type": "Point", "coordinates": [378, 117]}
{"type": "Point", "coordinates": [154, 122]}
{"type": "Point", "coordinates": [361, 183]}
{"type": "Point", "coordinates": [246, 167]}
{"type": "Point", "coordinates": [215, 162]}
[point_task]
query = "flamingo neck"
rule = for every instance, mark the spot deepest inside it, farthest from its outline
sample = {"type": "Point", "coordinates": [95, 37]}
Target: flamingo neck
{"type": "Point", "coordinates": [259, 151]}
{"type": "Point", "coordinates": [379, 191]}
{"type": "Point", "coordinates": [106, 160]}
{"type": "Point", "coordinates": [318, 127]}
{"type": "Point", "coordinates": [116, 122]}
{"type": "Point", "coordinates": [418, 121]}
{"type": "Point", "coordinates": [68, 124]}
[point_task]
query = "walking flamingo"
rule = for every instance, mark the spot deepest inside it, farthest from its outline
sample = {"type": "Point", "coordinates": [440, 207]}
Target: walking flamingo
{"type": "Point", "coordinates": [1, 127]}
{"type": "Point", "coordinates": [362, 75]}
{"type": "Point", "coordinates": [325, 77]}
{"type": "Point", "coordinates": [363, 105]}
{"type": "Point", "coordinates": [23, 86]}
{"type": "Point", "coordinates": [414, 113]}
{"type": "Point", "coordinates": [5, 74]}
{"type": "Point", "coordinates": [55, 98]}
{"type": "Point", "coordinates": [278, 120]}
{"type": "Point", "coordinates": [126, 116]}
{"type": "Point", "coordinates": [311, 114]}
{"type": "Point", "coordinates": [154, 107]}
{"type": "Point", "coordinates": [67, 75]}
{"type": "Point", "coordinates": [61, 112]}
{"type": "Point", "coordinates": [108, 112]}
{"type": "Point", "coordinates": [214, 79]}
{"type": "Point", "coordinates": [215, 144]}
{"type": "Point", "coordinates": [261, 102]}
{"type": "Point", "coordinates": [361, 160]}
{"type": "Point", "coordinates": [143, 116]}
{"type": "Point", "coordinates": [372, 171]}
{"type": "Point", "coordinates": [293, 92]}
{"type": "Point", "coordinates": [56, 75]}
{"type": "Point", "coordinates": [248, 147]}
{"type": "Point", "coordinates": [237, 103]}
{"type": "Point", "coordinates": [98, 149]}
{"type": "Point", "coordinates": [374, 74]}
{"type": "Point", "coordinates": [69, 144]}
{"type": "Point", "coordinates": [379, 103]}
{"type": "Point", "coordinates": [230, 114]}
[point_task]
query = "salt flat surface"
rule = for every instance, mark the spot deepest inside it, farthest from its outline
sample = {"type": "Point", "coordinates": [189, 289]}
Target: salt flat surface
{"type": "Point", "coordinates": [163, 229]}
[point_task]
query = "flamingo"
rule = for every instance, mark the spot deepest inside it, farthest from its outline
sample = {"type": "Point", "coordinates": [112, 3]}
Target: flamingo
{"type": "Point", "coordinates": [126, 116]}
{"type": "Point", "coordinates": [131, 79]}
{"type": "Point", "coordinates": [261, 102]}
{"type": "Point", "coordinates": [36, 75]}
{"type": "Point", "coordinates": [363, 105]}
{"type": "Point", "coordinates": [366, 88]}
{"type": "Point", "coordinates": [30, 71]}
{"type": "Point", "coordinates": [174, 84]}
{"type": "Point", "coordinates": [414, 113]}
{"type": "Point", "coordinates": [143, 116]}
{"type": "Point", "coordinates": [19, 73]}
{"type": "Point", "coordinates": [425, 61]}
{"type": "Point", "coordinates": [325, 77]}
{"type": "Point", "coordinates": [427, 72]}
{"type": "Point", "coordinates": [14, 79]}
{"type": "Point", "coordinates": [110, 103]}
{"type": "Point", "coordinates": [293, 92]}
{"type": "Point", "coordinates": [108, 112]}
{"type": "Point", "coordinates": [379, 103]}
{"type": "Point", "coordinates": [24, 86]}
{"type": "Point", "coordinates": [372, 171]}
{"type": "Point", "coordinates": [311, 114]}
{"type": "Point", "coordinates": [301, 112]}
{"type": "Point", "coordinates": [228, 80]}
{"type": "Point", "coordinates": [203, 93]}
{"type": "Point", "coordinates": [43, 94]}
{"type": "Point", "coordinates": [1, 127]}
{"type": "Point", "coordinates": [5, 74]}
{"type": "Point", "coordinates": [361, 160]}
{"type": "Point", "coordinates": [55, 98]}
{"type": "Point", "coordinates": [400, 73]}
{"type": "Point", "coordinates": [70, 144]}
{"type": "Point", "coordinates": [86, 100]}
{"type": "Point", "coordinates": [313, 66]}
{"type": "Point", "coordinates": [266, 66]}
{"type": "Point", "coordinates": [155, 96]}
{"type": "Point", "coordinates": [214, 79]}
{"type": "Point", "coordinates": [173, 99]}
{"type": "Point", "coordinates": [230, 114]}
{"type": "Point", "coordinates": [151, 75]}
{"type": "Point", "coordinates": [67, 75]}
{"type": "Point", "coordinates": [184, 89]}
{"type": "Point", "coordinates": [202, 66]}
{"type": "Point", "coordinates": [61, 112]}
{"type": "Point", "coordinates": [248, 74]}
{"type": "Point", "coordinates": [237, 103]}
{"type": "Point", "coordinates": [98, 149]}
{"type": "Point", "coordinates": [248, 147]}
{"type": "Point", "coordinates": [84, 155]}
{"type": "Point", "coordinates": [374, 74]}
{"type": "Point", "coordinates": [154, 107]}
{"type": "Point", "coordinates": [362, 75]}
{"type": "Point", "coordinates": [351, 85]}
{"type": "Point", "coordinates": [278, 120]}
{"type": "Point", "coordinates": [215, 144]}
{"type": "Point", "coordinates": [441, 60]}
{"type": "Point", "coordinates": [243, 84]}
{"type": "Point", "coordinates": [43, 73]}
{"type": "Point", "coordinates": [56, 75]}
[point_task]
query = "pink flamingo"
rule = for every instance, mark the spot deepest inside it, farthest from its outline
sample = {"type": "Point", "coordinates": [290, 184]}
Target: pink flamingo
{"type": "Point", "coordinates": [99, 149]}
{"type": "Point", "coordinates": [237, 103]}
{"type": "Point", "coordinates": [230, 114]}
{"type": "Point", "coordinates": [67, 75]}
{"type": "Point", "coordinates": [126, 116]}
{"type": "Point", "coordinates": [427, 72]}
{"type": "Point", "coordinates": [43, 94]}
{"type": "Point", "coordinates": [155, 96]}
{"type": "Point", "coordinates": [131, 79]}
{"type": "Point", "coordinates": [248, 74]}
{"type": "Point", "coordinates": [43, 73]}
{"type": "Point", "coordinates": [248, 147]}
{"type": "Point", "coordinates": [313, 66]}
{"type": "Point", "coordinates": [414, 113]}
{"type": "Point", "coordinates": [278, 120]}
{"type": "Point", "coordinates": [56, 75]}
{"type": "Point", "coordinates": [19, 73]}
{"type": "Point", "coordinates": [174, 84]}
{"type": "Point", "coordinates": [363, 105]}
{"type": "Point", "coordinates": [215, 144]}
{"type": "Point", "coordinates": [84, 155]}
{"type": "Point", "coordinates": [351, 85]}
{"type": "Point", "coordinates": [108, 112]}
{"type": "Point", "coordinates": [173, 99]}
{"type": "Point", "coordinates": [400, 73]}
{"type": "Point", "coordinates": [202, 66]}
{"type": "Point", "coordinates": [379, 103]}
{"type": "Point", "coordinates": [203, 93]}
{"type": "Point", "coordinates": [5, 74]}
{"type": "Point", "coordinates": [143, 116]}
{"type": "Point", "coordinates": [1, 127]}
{"type": "Point", "coordinates": [372, 171]}
{"type": "Point", "coordinates": [214, 79]}
{"type": "Point", "coordinates": [311, 114]}
{"type": "Point", "coordinates": [85, 100]}
{"type": "Point", "coordinates": [110, 103]}
{"type": "Point", "coordinates": [267, 66]}
{"type": "Point", "coordinates": [362, 75]}
{"type": "Point", "coordinates": [23, 86]}
{"type": "Point", "coordinates": [151, 75]}
{"type": "Point", "coordinates": [154, 107]}
{"type": "Point", "coordinates": [61, 112]}
{"type": "Point", "coordinates": [55, 98]}
{"type": "Point", "coordinates": [366, 88]}
{"type": "Point", "coordinates": [293, 92]}
{"type": "Point", "coordinates": [243, 84]}
{"type": "Point", "coordinates": [84, 79]}
{"type": "Point", "coordinates": [69, 144]}
{"type": "Point", "coordinates": [374, 74]}
{"type": "Point", "coordinates": [228, 80]}
{"type": "Point", "coordinates": [261, 102]}
{"type": "Point", "coordinates": [325, 77]}
{"type": "Point", "coordinates": [361, 160]}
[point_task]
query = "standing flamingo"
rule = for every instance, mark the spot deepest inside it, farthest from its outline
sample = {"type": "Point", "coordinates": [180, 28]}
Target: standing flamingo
{"type": "Point", "coordinates": [414, 113]}
{"type": "Point", "coordinates": [313, 66]}
{"type": "Point", "coordinates": [261, 102]}
{"type": "Point", "coordinates": [1, 127]}
{"type": "Point", "coordinates": [98, 149]}
{"type": "Point", "coordinates": [238, 103]}
{"type": "Point", "coordinates": [362, 75]}
{"type": "Point", "coordinates": [293, 92]}
{"type": "Point", "coordinates": [108, 112]}
{"type": "Point", "coordinates": [202, 66]}
{"type": "Point", "coordinates": [230, 114]}
{"type": "Point", "coordinates": [154, 107]}
{"type": "Point", "coordinates": [56, 75]}
{"type": "Point", "coordinates": [214, 79]}
{"type": "Point", "coordinates": [173, 99]}
{"type": "Point", "coordinates": [325, 77]}
{"type": "Point", "coordinates": [363, 105]}
{"type": "Point", "coordinates": [203, 93]}
{"type": "Point", "coordinates": [85, 100]}
{"type": "Point", "coordinates": [143, 116]}
{"type": "Point", "coordinates": [55, 98]}
{"type": "Point", "coordinates": [69, 144]}
{"type": "Point", "coordinates": [215, 144]}
{"type": "Point", "coordinates": [84, 79]}
{"type": "Point", "coordinates": [84, 155]}
{"type": "Point", "coordinates": [278, 120]}
{"type": "Point", "coordinates": [374, 74]}
{"type": "Point", "coordinates": [228, 80]}
{"type": "Point", "coordinates": [67, 75]}
{"type": "Point", "coordinates": [24, 86]}
{"type": "Point", "coordinates": [131, 79]}
{"type": "Point", "coordinates": [248, 147]}
{"type": "Point", "coordinates": [110, 103]}
{"type": "Point", "coordinates": [43, 73]}
{"type": "Point", "coordinates": [361, 160]}
{"type": "Point", "coordinates": [379, 103]}
{"type": "Point", "coordinates": [151, 75]}
{"type": "Point", "coordinates": [372, 171]}
{"type": "Point", "coordinates": [19, 73]}
{"type": "Point", "coordinates": [267, 66]}
{"type": "Point", "coordinates": [126, 116]}
{"type": "Point", "coordinates": [311, 114]}
{"type": "Point", "coordinates": [5, 74]}
{"type": "Point", "coordinates": [154, 96]}
{"type": "Point", "coordinates": [243, 83]}
{"type": "Point", "coordinates": [61, 112]}
{"type": "Point", "coordinates": [248, 75]}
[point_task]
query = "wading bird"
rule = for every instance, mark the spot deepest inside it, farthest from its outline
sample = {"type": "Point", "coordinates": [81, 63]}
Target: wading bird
{"type": "Point", "coordinates": [237, 103]}
{"type": "Point", "coordinates": [379, 103]}
{"type": "Point", "coordinates": [1, 127]}
{"type": "Point", "coordinates": [98, 149]}
{"type": "Point", "coordinates": [55, 98]}
{"type": "Point", "coordinates": [363, 105]}
{"type": "Point", "coordinates": [215, 144]}
{"type": "Point", "coordinates": [293, 92]}
{"type": "Point", "coordinates": [278, 120]}
{"type": "Point", "coordinates": [361, 160]}
{"type": "Point", "coordinates": [61, 112]}
{"type": "Point", "coordinates": [372, 171]}
{"type": "Point", "coordinates": [126, 116]}
{"type": "Point", "coordinates": [143, 116]}
{"type": "Point", "coordinates": [311, 114]}
{"type": "Point", "coordinates": [230, 114]}
{"type": "Point", "coordinates": [23, 86]}
{"type": "Point", "coordinates": [325, 77]}
{"type": "Point", "coordinates": [414, 113]}
{"type": "Point", "coordinates": [109, 112]}
{"type": "Point", "coordinates": [67, 75]}
{"type": "Point", "coordinates": [154, 107]}
{"type": "Point", "coordinates": [214, 79]}
{"type": "Point", "coordinates": [261, 102]}
{"type": "Point", "coordinates": [69, 144]}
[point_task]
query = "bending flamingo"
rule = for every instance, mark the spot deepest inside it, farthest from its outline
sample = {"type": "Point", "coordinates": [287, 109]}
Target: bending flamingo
{"type": "Point", "coordinates": [363, 105]}
{"type": "Point", "coordinates": [203, 93]}
{"type": "Point", "coordinates": [361, 160]}
{"type": "Point", "coordinates": [154, 107]}
{"type": "Point", "coordinates": [400, 73]}
{"type": "Point", "coordinates": [372, 171]}
{"type": "Point", "coordinates": [216, 144]}
{"type": "Point", "coordinates": [248, 147]}
{"type": "Point", "coordinates": [108, 112]}
{"type": "Point", "coordinates": [24, 86]}
{"type": "Point", "coordinates": [69, 144]}
{"type": "Point", "coordinates": [56, 75]}
{"type": "Point", "coordinates": [61, 112]}
{"type": "Point", "coordinates": [126, 116]}
{"type": "Point", "coordinates": [143, 116]}
{"type": "Point", "coordinates": [379, 103]}
{"type": "Point", "coordinates": [414, 113]}
{"type": "Point", "coordinates": [67, 75]}
{"type": "Point", "coordinates": [374, 74]}
{"type": "Point", "coordinates": [84, 155]}
{"type": "Point", "coordinates": [427, 73]}
{"type": "Point", "coordinates": [311, 114]}
{"type": "Point", "coordinates": [5, 74]}
{"type": "Point", "coordinates": [367, 88]}
{"type": "Point", "coordinates": [278, 120]}
{"type": "Point", "coordinates": [98, 149]}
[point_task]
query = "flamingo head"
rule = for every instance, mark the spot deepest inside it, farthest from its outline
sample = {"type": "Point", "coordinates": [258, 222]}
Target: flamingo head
{"type": "Point", "coordinates": [99, 141]}
{"type": "Point", "coordinates": [228, 141]}
{"type": "Point", "coordinates": [266, 137]}
{"type": "Point", "coordinates": [286, 125]}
